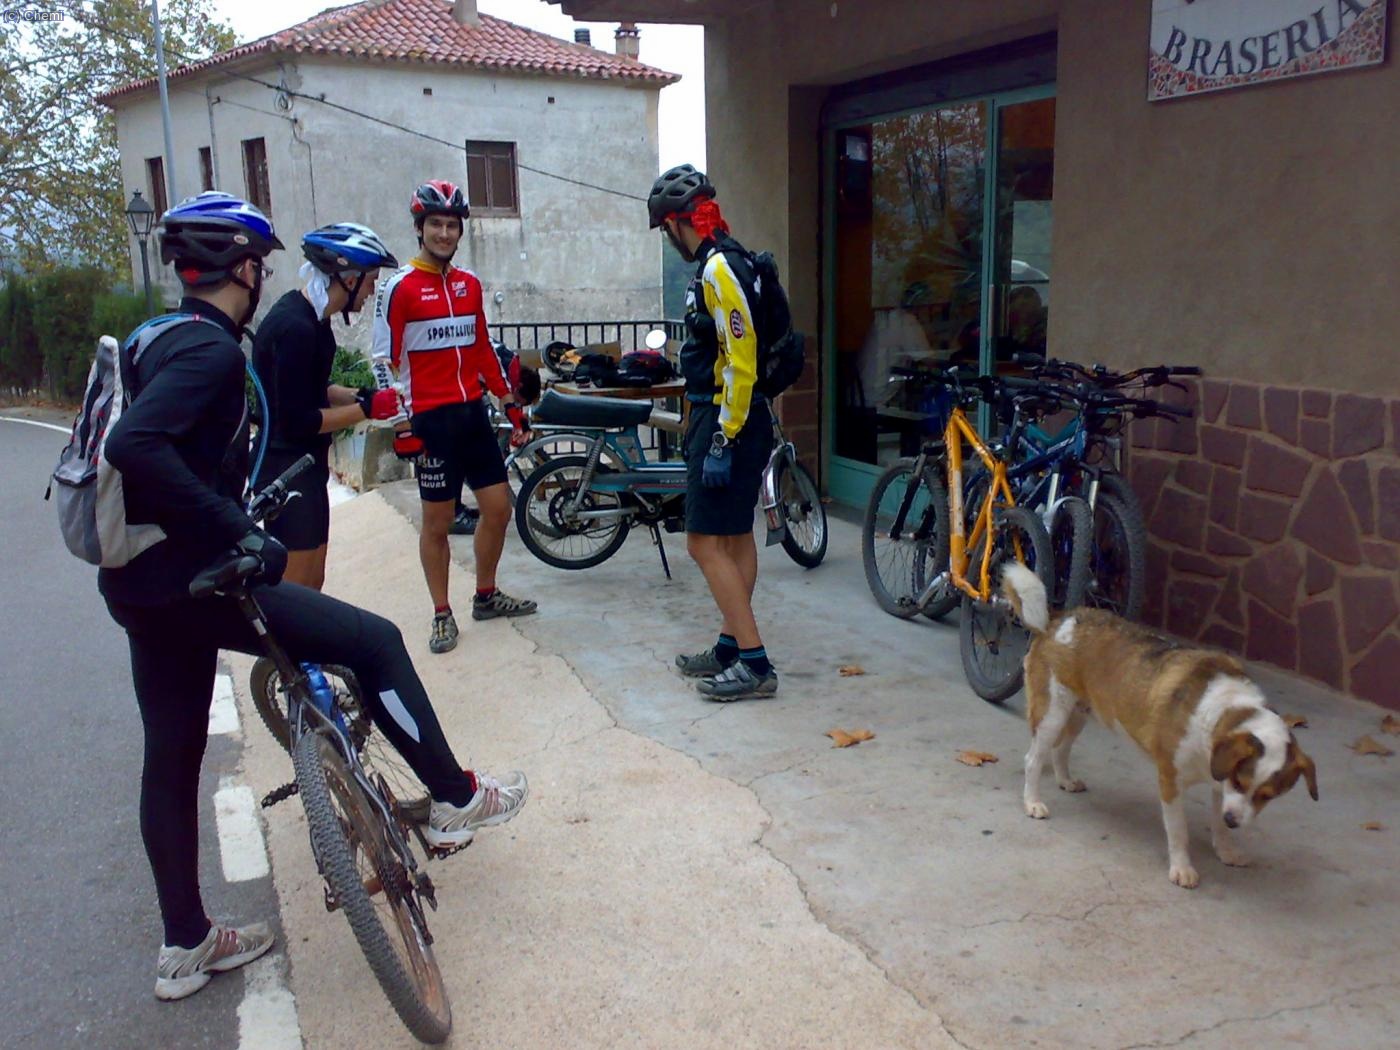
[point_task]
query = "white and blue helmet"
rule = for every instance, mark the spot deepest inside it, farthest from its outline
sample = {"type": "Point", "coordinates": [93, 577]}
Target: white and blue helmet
{"type": "Point", "coordinates": [346, 247]}
{"type": "Point", "coordinates": [211, 233]}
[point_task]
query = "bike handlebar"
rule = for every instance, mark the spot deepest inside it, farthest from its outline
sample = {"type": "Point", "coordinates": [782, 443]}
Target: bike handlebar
{"type": "Point", "coordinates": [274, 495]}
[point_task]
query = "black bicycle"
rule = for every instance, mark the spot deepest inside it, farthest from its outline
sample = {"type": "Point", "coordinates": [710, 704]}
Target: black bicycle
{"type": "Point", "coordinates": [360, 831]}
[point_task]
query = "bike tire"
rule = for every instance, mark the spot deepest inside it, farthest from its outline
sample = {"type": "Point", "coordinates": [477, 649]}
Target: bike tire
{"type": "Point", "coordinates": [1071, 540]}
{"type": "Point", "coordinates": [898, 575]}
{"type": "Point", "coordinates": [376, 753]}
{"type": "Point", "coordinates": [1118, 557]}
{"type": "Point", "coordinates": [991, 643]}
{"type": "Point", "coordinates": [805, 545]}
{"type": "Point", "coordinates": [537, 532]}
{"type": "Point", "coordinates": [343, 822]}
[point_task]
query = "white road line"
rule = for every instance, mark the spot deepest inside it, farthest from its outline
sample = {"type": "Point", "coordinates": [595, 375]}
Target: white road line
{"type": "Point", "coordinates": [37, 423]}
{"type": "Point", "coordinates": [241, 847]}
{"type": "Point", "coordinates": [223, 712]}
{"type": "Point", "coordinates": [267, 1016]}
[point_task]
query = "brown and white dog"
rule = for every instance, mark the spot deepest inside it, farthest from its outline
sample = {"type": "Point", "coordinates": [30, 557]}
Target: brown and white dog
{"type": "Point", "coordinates": [1194, 711]}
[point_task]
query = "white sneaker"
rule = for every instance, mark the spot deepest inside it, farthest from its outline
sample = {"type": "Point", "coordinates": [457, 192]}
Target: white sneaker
{"type": "Point", "coordinates": [495, 802]}
{"type": "Point", "coordinates": [184, 971]}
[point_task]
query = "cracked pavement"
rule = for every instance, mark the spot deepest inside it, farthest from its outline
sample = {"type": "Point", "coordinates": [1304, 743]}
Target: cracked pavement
{"type": "Point", "coordinates": [692, 874]}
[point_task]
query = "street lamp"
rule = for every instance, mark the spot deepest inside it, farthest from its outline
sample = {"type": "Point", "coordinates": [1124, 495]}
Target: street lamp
{"type": "Point", "coordinates": [142, 217]}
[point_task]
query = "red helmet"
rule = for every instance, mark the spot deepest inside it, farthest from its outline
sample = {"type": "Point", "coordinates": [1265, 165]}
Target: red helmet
{"type": "Point", "coordinates": [438, 197]}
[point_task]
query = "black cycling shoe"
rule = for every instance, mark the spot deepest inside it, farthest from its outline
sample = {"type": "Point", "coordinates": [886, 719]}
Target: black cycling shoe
{"type": "Point", "coordinates": [464, 524]}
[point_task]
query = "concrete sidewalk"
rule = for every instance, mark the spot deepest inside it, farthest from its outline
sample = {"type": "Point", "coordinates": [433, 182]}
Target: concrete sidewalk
{"type": "Point", "coordinates": [696, 875]}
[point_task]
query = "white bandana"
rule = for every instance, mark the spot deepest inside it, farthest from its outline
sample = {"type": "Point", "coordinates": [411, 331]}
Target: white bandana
{"type": "Point", "coordinates": [318, 287]}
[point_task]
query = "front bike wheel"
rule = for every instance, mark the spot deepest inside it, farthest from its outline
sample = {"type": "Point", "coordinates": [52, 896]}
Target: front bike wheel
{"type": "Point", "coordinates": [375, 752]}
{"type": "Point", "coordinates": [904, 540]}
{"type": "Point", "coordinates": [993, 644]}
{"type": "Point", "coordinates": [1071, 540]}
{"type": "Point", "coordinates": [805, 517]}
{"type": "Point", "coordinates": [544, 516]}
{"type": "Point", "coordinates": [1118, 556]}
{"type": "Point", "coordinates": [370, 883]}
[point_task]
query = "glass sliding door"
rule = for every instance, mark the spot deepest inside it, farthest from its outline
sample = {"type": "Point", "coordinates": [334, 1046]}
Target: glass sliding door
{"type": "Point", "coordinates": [939, 254]}
{"type": "Point", "coordinates": [1025, 180]}
{"type": "Point", "coordinates": [907, 291]}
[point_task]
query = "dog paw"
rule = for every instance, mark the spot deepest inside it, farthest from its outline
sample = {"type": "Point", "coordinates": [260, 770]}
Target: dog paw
{"type": "Point", "coordinates": [1073, 786]}
{"type": "Point", "coordinates": [1231, 856]}
{"type": "Point", "coordinates": [1183, 875]}
{"type": "Point", "coordinates": [1039, 810]}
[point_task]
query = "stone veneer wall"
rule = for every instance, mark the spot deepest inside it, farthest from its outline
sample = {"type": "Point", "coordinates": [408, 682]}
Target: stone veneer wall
{"type": "Point", "coordinates": [1274, 517]}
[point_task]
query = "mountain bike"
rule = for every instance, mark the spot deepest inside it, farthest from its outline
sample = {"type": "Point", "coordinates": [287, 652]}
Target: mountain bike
{"type": "Point", "coordinates": [951, 562]}
{"type": "Point", "coordinates": [359, 830]}
{"type": "Point", "coordinates": [575, 511]}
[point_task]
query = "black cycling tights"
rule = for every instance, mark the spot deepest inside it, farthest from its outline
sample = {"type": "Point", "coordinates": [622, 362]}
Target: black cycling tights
{"type": "Point", "coordinates": [173, 653]}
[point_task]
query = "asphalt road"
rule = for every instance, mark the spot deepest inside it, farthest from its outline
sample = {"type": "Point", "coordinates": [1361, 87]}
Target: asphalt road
{"type": "Point", "coordinates": [79, 927]}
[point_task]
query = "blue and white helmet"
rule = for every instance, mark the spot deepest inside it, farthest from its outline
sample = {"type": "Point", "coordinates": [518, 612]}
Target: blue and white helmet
{"type": "Point", "coordinates": [211, 233]}
{"type": "Point", "coordinates": [345, 247]}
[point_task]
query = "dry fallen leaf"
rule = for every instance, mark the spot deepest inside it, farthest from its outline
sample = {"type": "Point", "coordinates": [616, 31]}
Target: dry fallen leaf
{"type": "Point", "coordinates": [1366, 746]}
{"type": "Point", "coordinates": [1295, 721]}
{"type": "Point", "coordinates": [976, 758]}
{"type": "Point", "coordinates": [841, 738]}
{"type": "Point", "coordinates": [1373, 825]}
{"type": "Point", "coordinates": [851, 670]}
{"type": "Point", "coordinates": [1391, 725]}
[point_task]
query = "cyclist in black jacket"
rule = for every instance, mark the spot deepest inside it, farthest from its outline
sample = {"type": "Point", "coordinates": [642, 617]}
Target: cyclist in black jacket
{"type": "Point", "coordinates": [181, 450]}
{"type": "Point", "coordinates": [293, 352]}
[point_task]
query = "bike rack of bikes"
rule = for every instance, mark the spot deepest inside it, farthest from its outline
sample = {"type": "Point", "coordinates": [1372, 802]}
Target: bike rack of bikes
{"type": "Point", "coordinates": [938, 529]}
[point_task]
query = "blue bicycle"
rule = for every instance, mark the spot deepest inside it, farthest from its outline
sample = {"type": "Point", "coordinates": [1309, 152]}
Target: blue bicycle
{"type": "Point", "coordinates": [574, 511]}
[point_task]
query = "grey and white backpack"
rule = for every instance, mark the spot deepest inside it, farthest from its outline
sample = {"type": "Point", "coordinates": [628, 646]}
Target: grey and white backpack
{"type": "Point", "coordinates": [86, 488]}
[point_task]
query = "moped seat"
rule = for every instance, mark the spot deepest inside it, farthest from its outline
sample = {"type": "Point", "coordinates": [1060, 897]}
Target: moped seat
{"type": "Point", "coordinates": [575, 410]}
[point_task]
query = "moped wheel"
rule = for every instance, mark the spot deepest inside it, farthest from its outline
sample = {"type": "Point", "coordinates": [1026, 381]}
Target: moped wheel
{"type": "Point", "coordinates": [369, 882]}
{"type": "Point", "coordinates": [805, 537]}
{"type": "Point", "coordinates": [376, 754]}
{"type": "Point", "coordinates": [904, 540]}
{"type": "Point", "coordinates": [993, 644]}
{"type": "Point", "coordinates": [546, 523]}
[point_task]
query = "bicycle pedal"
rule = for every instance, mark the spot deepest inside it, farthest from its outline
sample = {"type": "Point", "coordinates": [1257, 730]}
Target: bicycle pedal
{"type": "Point", "coordinates": [443, 852]}
{"type": "Point", "coordinates": [281, 794]}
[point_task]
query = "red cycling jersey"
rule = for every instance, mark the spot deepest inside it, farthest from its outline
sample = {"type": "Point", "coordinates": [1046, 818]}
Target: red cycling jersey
{"type": "Point", "coordinates": [430, 326]}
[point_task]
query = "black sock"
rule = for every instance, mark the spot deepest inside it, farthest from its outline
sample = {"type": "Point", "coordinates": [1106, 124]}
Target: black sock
{"type": "Point", "coordinates": [756, 660]}
{"type": "Point", "coordinates": [726, 649]}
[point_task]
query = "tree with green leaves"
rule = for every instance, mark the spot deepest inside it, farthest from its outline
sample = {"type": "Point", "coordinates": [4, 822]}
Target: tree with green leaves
{"type": "Point", "coordinates": [61, 198]}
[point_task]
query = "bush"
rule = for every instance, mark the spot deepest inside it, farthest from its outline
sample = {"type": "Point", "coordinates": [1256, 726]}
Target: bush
{"type": "Point", "coordinates": [351, 368]}
{"type": "Point", "coordinates": [21, 361]}
{"type": "Point", "coordinates": [117, 314]}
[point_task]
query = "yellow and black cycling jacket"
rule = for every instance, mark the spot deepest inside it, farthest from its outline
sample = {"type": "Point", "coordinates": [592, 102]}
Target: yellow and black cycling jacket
{"type": "Point", "coordinates": [719, 360]}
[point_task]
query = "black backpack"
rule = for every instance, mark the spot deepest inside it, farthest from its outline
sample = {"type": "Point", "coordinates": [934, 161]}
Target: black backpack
{"type": "Point", "coordinates": [781, 351]}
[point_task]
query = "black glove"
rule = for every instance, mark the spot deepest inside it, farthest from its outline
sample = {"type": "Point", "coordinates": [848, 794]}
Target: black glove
{"type": "Point", "coordinates": [269, 551]}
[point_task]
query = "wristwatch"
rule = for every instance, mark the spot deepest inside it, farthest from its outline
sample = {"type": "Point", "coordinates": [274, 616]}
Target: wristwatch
{"type": "Point", "coordinates": [719, 443]}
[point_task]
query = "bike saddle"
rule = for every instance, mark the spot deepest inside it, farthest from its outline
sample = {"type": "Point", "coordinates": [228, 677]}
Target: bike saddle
{"type": "Point", "coordinates": [236, 567]}
{"type": "Point", "coordinates": [575, 410]}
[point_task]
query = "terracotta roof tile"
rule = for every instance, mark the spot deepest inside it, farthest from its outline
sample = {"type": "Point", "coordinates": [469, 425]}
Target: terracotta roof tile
{"type": "Point", "coordinates": [425, 31]}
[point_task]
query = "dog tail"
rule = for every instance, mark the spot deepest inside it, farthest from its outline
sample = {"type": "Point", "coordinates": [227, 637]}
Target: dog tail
{"type": "Point", "coordinates": [1027, 596]}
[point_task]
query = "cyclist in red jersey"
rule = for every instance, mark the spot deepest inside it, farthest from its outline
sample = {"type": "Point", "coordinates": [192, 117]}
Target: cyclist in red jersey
{"type": "Point", "coordinates": [430, 328]}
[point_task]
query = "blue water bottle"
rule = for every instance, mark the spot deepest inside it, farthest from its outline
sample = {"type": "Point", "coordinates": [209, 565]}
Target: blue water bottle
{"type": "Point", "coordinates": [322, 695]}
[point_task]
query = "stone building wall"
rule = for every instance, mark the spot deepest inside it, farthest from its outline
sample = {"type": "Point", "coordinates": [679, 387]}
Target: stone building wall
{"type": "Point", "coordinates": [1274, 521]}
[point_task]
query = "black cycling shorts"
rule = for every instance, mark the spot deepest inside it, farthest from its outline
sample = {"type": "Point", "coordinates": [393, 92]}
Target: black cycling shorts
{"type": "Point", "coordinates": [305, 523]}
{"type": "Point", "coordinates": [726, 511]}
{"type": "Point", "coordinates": [459, 444]}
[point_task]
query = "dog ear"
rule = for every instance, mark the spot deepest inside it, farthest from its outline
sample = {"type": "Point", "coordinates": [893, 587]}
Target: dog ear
{"type": "Point", "coordinates": [1305, 766]}
{"type": "Point", "coordinates": [1229, 752]}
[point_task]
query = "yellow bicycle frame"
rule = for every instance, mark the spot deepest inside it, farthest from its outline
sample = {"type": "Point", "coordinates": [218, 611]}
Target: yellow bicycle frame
{"type": "Point", "coordinates": [957, 431]}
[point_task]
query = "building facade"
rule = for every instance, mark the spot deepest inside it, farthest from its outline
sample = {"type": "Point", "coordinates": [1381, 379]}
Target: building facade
{"type": "Point", "coordinates": [944, 179]}
{"type": "Point", "coordinates": [340, 117]}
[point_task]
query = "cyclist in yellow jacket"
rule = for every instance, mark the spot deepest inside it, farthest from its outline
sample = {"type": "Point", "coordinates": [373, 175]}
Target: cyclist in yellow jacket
{"type": "Point", "coordinates": [729, 434]}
